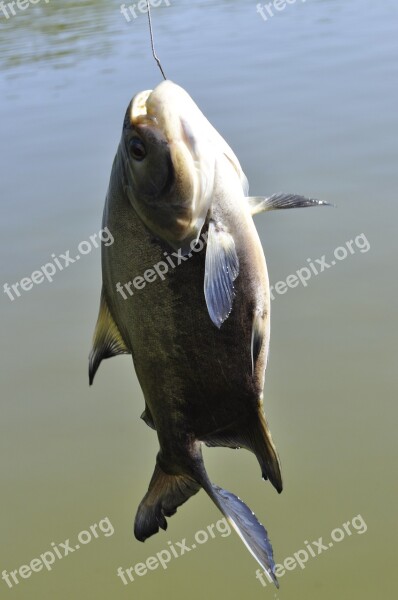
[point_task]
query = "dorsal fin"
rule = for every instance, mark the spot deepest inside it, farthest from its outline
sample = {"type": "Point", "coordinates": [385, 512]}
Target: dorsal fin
{"type": "Point", "coordinates": [107, 340]}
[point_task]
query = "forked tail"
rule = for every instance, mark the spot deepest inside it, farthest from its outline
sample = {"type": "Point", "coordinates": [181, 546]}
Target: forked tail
{"type": "Point", "coordinates": [168, 491]}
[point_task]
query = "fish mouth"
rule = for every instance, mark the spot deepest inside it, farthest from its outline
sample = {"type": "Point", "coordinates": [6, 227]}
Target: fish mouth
{"type": "Point", "coordinates": [150, 110]}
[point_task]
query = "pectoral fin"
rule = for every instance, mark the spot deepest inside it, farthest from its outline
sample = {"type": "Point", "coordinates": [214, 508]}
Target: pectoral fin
{"type": "Point", "coordinates": [107, 340]}
{"type": "Point", "coordinates": [221, 270]}
{"type": "Point", "coordinates": [260, 204]}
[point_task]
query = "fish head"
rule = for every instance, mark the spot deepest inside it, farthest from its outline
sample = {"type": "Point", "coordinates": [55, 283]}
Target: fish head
{"type": "Point", "coordinates": [168, 160]}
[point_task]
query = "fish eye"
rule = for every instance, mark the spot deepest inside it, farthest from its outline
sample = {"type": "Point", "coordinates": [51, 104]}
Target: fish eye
{"type": "Point", "coordinates": [137, 149]}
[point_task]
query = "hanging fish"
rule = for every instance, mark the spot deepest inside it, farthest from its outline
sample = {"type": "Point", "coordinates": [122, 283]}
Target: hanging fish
{"type": "Point", "coordinates": [199, 337]}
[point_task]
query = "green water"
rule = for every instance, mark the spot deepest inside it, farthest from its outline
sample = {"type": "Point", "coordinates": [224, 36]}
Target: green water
{"type": "Point", "coordinates": [308, 100]}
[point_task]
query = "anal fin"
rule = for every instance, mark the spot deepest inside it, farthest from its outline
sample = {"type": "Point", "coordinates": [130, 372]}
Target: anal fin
{"type": "Point", "coordinates": [254, 435]}
{"type": "Point", "coordinates": [222, 440]}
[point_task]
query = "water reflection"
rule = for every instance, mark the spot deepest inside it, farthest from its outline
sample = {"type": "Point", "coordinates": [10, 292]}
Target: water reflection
{"type": "Point", "coordinates": [57, 33]}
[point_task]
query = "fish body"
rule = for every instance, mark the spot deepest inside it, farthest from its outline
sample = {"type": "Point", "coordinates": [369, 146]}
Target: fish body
{"type": "Point", "coordinates": [197, 379]}
{"type": "Point", "coordinates": [199, 336]}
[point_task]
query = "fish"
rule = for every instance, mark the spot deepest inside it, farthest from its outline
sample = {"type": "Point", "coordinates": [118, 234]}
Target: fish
{"type": "Point", "coordinates": [198, 337]}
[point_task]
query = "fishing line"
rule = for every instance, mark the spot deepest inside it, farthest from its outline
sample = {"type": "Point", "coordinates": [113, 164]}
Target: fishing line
{"type": "Point", "coordinates": [152, 42]}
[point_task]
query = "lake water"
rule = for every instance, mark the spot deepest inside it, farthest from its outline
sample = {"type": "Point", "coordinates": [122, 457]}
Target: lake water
{"type": "Point", "coordinates": [308, 100]}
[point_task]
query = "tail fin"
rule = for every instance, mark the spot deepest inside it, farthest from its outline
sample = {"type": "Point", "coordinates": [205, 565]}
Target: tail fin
{"type": "Point", "coordinates": [165, 494]}
{"type": "Point", "coordinates": [244, 521]}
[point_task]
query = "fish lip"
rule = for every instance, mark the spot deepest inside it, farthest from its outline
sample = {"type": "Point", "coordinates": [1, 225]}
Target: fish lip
{"type": "Point", "coordinates": [138, 111]}
{"type": "Point", "coordinates": [139, 115]}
